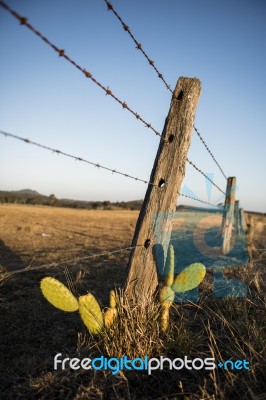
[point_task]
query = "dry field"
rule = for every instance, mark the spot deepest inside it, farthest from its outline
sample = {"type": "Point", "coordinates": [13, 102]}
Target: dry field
{"type": "Point", "coordinates": [32, 331]}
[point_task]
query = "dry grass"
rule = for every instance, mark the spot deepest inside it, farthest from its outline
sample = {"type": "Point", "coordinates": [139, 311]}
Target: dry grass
{"type": "Point", "coordinates": [33, 331]}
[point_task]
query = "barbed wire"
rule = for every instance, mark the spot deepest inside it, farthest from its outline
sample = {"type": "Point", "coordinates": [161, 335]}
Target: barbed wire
{"type": "Point", "coordinates": [206, 176]}
{"type": "Point", "coordinates": [209, 151]}
{"type": "Point", "coordinates": [87, 74]}
{"type": "Point", "coordinates": [59, 152]}
{"type": "Point", "coordinates": [74, 260]}
{"type": "Point", "coordinates": [139, 46]}
{"type": "Point", "coordinates": [201, 201]}
{"type": "Point", "coordinates": [62, 53]}
{"type": "Point", "coordinates": [114, 171]}
{"type": "Point", "coordinates": [160, 75]}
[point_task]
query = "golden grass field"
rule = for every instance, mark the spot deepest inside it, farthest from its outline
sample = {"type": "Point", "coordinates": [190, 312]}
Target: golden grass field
{"type": "Point", "coordinates": [32, 331]}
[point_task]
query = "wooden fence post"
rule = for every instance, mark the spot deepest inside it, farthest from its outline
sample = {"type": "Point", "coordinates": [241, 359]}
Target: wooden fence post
{"type": "Point", "coordinates": [167, 174]}
{"type": "Point", "coordinates": [228, 215]}
{"type": "Point", "coordinates": [242, 224]}
{"type": "Point", "coordinates": [236, 220]}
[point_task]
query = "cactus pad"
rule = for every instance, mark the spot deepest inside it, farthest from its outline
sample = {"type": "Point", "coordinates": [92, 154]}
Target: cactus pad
{"type": "Point", "coordinates": [189, 278]}
{"type": "Point", "coordinates": [170, 266]}
{"type": "Point", "coordinates": [110, 316]}
{"type": "Point", "coordinates": [167, 296]}
{"type": "Point", "coordinates": [112, 299]}
{"type": "Point", "coordinates": [91, 313]}
{"type": "Point", "coordinates": [164, 319]}
{"type": "Point", "coordinates": [58, 294]}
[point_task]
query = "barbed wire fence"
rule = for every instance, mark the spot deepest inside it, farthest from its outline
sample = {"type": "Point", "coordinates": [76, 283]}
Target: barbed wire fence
{"type": "Point", "coordinates": [159, 74]}
{"type": "Point", "coordinates": [62, 53]}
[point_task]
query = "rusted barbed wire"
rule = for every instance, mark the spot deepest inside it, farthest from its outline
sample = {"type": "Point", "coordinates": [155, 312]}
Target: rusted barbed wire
{"type": "Point", "coordinates": [114, 171]}
{"type": "Point", "coordinates": [110, 7]}
{"type": "Point", "coordinates": [87, 74]}
{"type": "Point", "coordinates": [73, 260]}
{"type": "Point", "coordinates": [201, 201]}
{"type": "Point", "coordinates": [139, 46]}
{"type": "Point", "coordinates": [28, 141]}
{"type": "Point", "coordinates": [209, 151]}
{"type": "Point", "coordinates": [62, 53]}
{"type": "Point", "coordinates": [202, 173]}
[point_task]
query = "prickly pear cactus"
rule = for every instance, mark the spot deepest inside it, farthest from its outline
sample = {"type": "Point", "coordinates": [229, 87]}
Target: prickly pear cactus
{"type": "Point", "coordinates": [91, 313]}
{"type": "Point", "coordinates": [111, 313]}
{"type": "Point", "coordinates": [189, 278]}
{"type": "Point", "coordinates": [167, 294]}
{"type": "Point", "coordinates": [58, 295]}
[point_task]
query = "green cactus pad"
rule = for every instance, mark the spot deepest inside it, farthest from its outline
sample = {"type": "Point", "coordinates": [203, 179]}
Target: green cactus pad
{"type": "Point", "coordinates": [167, 296]}
{"type": "Point", "coordinates": [91, 313]}
{"type": "Point", "coordinates": [164, 319]}
{"type": "Point", "coordinates": [170, 266]}
{"type": "Point", "coordinates": [58, 295]}
{"type": "Point", "coordinates": [112, 299]}
{"type": "Point", "coordinates": [189, 278]}
{"type": "Point", "coordinates": [110, 316]}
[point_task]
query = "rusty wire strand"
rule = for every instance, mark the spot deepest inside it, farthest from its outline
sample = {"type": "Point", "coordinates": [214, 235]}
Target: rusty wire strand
{"type": "Point", "coordinates": [59, 152]}
{"type": "Point", "coordinates": [209, 151]}
{"type": "Point", "coordinates": [87, 74]}
{"type": "Point", "coordinates": [138, 45]}
{"type": "Point", "coordinates": [201, 201]}
{"type": "Point", "coordinates": [74, 260]}
{"type": "Point", "coordinates": [202, 173]}
{"type": "Point", "coordinates": [152, 64]}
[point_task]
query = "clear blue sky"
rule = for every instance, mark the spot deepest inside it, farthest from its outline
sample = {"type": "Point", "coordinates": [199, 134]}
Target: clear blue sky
{"type": "Point", "coordinates": [46, 99]}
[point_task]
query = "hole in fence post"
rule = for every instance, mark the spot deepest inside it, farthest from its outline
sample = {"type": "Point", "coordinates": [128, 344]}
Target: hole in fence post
{"type": "Point", "coordinates": [147, 243]}
{"type": "Point", "coordinates": [171, 138]}
{"type": "Point", "coordinates": [161, 183]}
{"type": "Point", "coordinates": [180, 95]}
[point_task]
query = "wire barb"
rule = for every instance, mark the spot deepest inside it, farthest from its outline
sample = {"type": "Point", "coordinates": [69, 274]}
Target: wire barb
{"type": "Point", "coordinates": [63, 54]}
{"type": "Point", "coordinates": [59, 152]}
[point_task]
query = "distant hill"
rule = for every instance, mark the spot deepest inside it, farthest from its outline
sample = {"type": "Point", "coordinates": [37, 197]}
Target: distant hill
{"type": "Point", "coordinates": [29, 196]}
{"type": "Point", "coordinates": [26, 192]}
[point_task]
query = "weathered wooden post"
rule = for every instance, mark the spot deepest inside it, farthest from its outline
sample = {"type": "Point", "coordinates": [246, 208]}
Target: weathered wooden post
{"type": "Point", "coordinates": [236, 220]}
{"type": "Point", "coordinates": [167, 174]}
{"type": "Point", "coordinates": [242, 220]}
{"type": "Point", "coordinates": [228, 215]}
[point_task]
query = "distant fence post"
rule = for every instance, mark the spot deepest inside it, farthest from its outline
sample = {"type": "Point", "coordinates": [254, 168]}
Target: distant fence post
{"type": "Point", "coordinates": [167, 173]}
{"type": "Point", "coordinates": [242, 224]}
{"type": "Point", "coordinates": [236, 219]}
{"type": "Point", "coordinates": [228, 214]}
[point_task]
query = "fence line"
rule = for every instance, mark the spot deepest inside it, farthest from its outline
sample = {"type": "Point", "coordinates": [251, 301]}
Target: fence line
{"type": "Point", "coordinates": [114, 171]}
{"type": "Point", "coordinates": [74, 260]}
{"type": "Point", "coordinates": [59, 152]}
{"type": "Point", "coordinates": [160, 75]}
{"type": "Point", "coordinates": [201, 201]}
{"type": "Point", "coordinates": [206, 176]}
{"type": "Point", "coordinates": [139, 46]}
{"type": "Point", "coordinates": [209, 151]}
{"type": "Point", "coordinates": [87, 74]}
{"type": "Point", "coordinates": [62, 53]}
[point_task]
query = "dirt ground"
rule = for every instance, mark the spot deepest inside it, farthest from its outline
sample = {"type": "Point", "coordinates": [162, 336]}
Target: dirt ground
{"type": "Point", "coordinates": [32, 331]}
